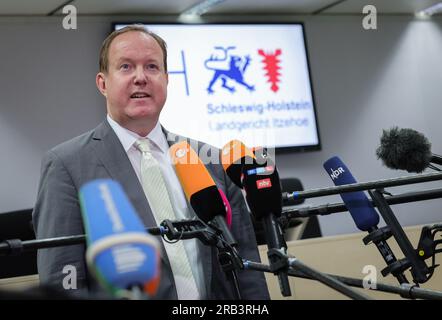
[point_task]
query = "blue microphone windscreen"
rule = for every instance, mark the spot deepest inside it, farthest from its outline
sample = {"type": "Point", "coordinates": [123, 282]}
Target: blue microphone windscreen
{"type": "Point", "coordinates": [108, 214]}
{"type": "Point", "coordinates": [357, 203]}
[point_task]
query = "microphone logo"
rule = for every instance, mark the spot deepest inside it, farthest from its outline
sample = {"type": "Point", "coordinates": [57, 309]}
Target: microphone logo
{"type": "Point", "coordinates": [111, 208]}
{"type": "Point", "coordinates": [334, 174]}
{"type": "Point", "coordinates": [181, 152]}
{"type": "Point", "coordinates": [261, 171]}
{"type": "Point", "coordinates": [264, 183]}
{"type": "Point", "coordinates": [226, 150]}
{"type": "Point", "coordinates": [128, 258]}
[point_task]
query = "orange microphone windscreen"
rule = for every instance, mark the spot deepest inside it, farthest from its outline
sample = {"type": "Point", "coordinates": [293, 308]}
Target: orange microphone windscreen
{"type": "Point", "coordinates": [191, 172]}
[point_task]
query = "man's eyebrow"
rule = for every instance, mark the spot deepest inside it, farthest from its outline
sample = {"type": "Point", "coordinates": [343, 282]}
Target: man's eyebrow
{"type": "Point", "coordinates": [123, 59]}
{"type": "Point", "coordinates": [153, 60]}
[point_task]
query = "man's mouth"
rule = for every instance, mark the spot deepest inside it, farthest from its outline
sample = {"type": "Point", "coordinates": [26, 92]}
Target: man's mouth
{"type": "Point", "coordinates": [139, 95]}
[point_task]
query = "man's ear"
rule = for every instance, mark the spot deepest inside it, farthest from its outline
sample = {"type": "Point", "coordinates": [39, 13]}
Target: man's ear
{"type": "Point", "coordinates": [100, 80]}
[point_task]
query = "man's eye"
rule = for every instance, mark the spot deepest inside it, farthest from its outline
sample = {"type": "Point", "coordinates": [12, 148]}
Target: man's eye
{"type": "Point", "coordinates": [152, 66]}
{"type": "Point", "coordinates": [124, 66]}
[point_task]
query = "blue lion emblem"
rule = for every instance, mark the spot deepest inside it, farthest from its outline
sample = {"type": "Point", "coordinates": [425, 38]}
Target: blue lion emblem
{"type": "Point", "coordinates": [226, 69]}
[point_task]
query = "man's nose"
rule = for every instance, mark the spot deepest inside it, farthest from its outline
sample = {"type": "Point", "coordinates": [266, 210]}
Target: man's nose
{"type": "Point", "coordinates": [140, 76]}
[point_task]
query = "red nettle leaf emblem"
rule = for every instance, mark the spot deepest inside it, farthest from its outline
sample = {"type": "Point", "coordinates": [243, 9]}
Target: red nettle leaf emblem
{"type": "Point", "coordinates": [271, 63]}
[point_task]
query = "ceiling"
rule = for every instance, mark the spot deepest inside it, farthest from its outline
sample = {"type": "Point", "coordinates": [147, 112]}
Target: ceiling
{"type": "Point", "coordinates": [223, 7]}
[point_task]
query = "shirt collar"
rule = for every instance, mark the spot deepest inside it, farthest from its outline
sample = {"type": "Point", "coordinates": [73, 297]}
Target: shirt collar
{"type": "Point", "coordinates": [128, 138]}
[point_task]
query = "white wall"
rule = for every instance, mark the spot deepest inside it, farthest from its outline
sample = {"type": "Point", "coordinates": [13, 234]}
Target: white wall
{"type": "Point", "coordinates": [47, 95]}
{"type": "Point", "coordinates": [364, 81]}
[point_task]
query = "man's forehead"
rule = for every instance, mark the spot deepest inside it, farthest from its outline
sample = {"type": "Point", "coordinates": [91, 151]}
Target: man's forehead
{"type": "Point", "coordinates": [131, 39]}
{"type": "Point", "coordinates": [132, 34]}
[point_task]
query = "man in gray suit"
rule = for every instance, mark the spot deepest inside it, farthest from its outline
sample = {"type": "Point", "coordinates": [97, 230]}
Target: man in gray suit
{"type": "Point", "coordinates": [133, 78]}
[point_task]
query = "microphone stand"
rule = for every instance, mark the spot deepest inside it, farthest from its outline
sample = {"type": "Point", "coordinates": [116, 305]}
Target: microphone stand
{"type": "Point", "coordinates": [418, 178]}
{"type": "Point", "coordinates": [419, 269]}
{"type": "Point", "coordinates": [283, 261]}
{"type": "Point", "coordinates": [173, 230]}
{"type": "Point", "coordinates": [228, 256]}
{"type": "Point", "coordinates": [427, 244]}
{"type": "Point", "coordinates": [277, 252]}
{"type": "Point", "coordinates": [187, 229]}
{"type": "Point", "coordinates": [330, 208]}
{"type": "Point", "coordinates": [379, 237]}
{"type": "Point", "coordinates": [184, 229]}
{"type": "Point", "coordinates": [404, 290]}
{"type": "Point", "coordinates": [229, 260]}
{"type": "Point", "coordinates": [180, 230]}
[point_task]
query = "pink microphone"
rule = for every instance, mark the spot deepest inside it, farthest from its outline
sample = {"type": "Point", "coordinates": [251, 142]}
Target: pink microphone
{"type": "Point", "coordinates": [228, 208]}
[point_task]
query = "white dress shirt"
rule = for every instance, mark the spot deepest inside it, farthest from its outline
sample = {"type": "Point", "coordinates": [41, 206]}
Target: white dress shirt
{"type": "Point", "coordinates": [160, 152]}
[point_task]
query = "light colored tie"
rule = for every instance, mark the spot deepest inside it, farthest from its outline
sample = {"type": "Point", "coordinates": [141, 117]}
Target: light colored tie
{"type": "Point", "coordinates": [155, 189]}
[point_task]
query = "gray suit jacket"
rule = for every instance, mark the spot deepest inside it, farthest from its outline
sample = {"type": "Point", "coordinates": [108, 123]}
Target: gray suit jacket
{"type": "Point", "coordinates": [99, 154]}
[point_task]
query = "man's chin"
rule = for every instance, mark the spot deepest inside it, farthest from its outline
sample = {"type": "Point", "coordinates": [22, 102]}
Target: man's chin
{"type": "Point", "coordinates": [144, 115]}
{"type": "Point", "coordinates": [143, 111]}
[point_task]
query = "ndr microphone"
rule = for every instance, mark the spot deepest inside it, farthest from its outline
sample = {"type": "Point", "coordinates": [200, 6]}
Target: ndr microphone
{"type": "Point", "coordinates": [209, 203]}
{"type": "Point", "coordinates": [362, 211]}
{"type": "Point", "coordinates": [120, 253]}
{"type": "Point", "coordinates": [357, 203]}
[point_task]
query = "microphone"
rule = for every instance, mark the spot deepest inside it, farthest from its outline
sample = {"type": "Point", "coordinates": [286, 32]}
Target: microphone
{"type": "Point", "coordinates": [257, 175]}
{"type": "Point", "coordinates": [263, 188]}
{"type": "Point", "coordinates": [406, 149]}
{"type": "Point", "coordinates": [120, 254]}
{"type": "Point", "coordinates": [208, 202]}
{"type": "Point", "coordinates": [357, 203]}
{"type": "Point", "coordinates": [364, 215]}
{"type": "Point", "coordinates": [235, 156]}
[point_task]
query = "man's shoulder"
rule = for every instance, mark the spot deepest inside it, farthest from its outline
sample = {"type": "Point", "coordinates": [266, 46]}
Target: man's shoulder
{"type": "Point", "coordinates": [197, 145]}
{"type": "Point", "coordinates": [209, 155]}
{"type": "Point", "coordinates": [74, 146]}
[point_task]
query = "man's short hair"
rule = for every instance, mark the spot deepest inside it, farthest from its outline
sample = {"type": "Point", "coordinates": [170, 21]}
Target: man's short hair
{"type": "Point", "coordinates": [104, 51]}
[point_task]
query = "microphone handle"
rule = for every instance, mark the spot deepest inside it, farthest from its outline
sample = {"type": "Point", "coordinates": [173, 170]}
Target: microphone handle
{"type": "Point", "coordinates": [419, 269]}
{"type": "Point", "coordinates": [222, 225]}
{"type": "Point", "coordinates": [275, 240]}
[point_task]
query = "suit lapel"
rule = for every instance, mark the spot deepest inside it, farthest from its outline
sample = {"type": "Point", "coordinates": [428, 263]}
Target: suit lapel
{"type": "Point", "coordinates": [114, 158]}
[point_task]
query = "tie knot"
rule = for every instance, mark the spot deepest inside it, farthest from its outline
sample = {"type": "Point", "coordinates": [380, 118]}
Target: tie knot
{"type": "Point", "coordinates": [143, 145]}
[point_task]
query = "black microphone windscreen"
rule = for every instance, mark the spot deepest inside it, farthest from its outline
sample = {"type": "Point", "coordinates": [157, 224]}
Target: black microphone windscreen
{"type": "Point", "coordinates": [263, 189]}
{"type": "Point", "coordinates": [404, 149]}
{"type": "Point", "coordinates": [207, 203]}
